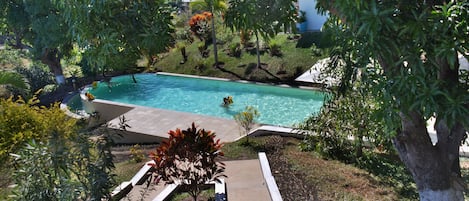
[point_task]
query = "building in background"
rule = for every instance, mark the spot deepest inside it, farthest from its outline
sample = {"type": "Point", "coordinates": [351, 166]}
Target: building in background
{"type": "Point", "coordinates": [314, 20]}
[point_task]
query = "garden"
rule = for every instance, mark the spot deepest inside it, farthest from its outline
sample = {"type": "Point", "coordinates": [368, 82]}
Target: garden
{"type": "Point", "coordinates": [370, 142]}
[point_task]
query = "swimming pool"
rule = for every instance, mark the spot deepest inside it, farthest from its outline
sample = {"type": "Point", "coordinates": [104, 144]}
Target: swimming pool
{"type": "Point", "coordinates": [276, 105]}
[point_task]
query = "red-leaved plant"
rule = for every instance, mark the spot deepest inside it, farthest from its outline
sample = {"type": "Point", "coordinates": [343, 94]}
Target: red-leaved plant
{"type": "Point", "coordinates": [200, 26]}
{"type": "Point", "coordinates": [189, 158]}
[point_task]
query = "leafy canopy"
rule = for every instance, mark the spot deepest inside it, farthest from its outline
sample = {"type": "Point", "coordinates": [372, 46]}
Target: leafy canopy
{"type": "Point", "coordinates": [400, 50]}
{"type": "Point", "coordinates": [114, 34]}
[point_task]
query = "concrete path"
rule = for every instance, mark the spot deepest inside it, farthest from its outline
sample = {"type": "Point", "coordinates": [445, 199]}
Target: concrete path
{"type": "Point", "coordinates": [244, 182]}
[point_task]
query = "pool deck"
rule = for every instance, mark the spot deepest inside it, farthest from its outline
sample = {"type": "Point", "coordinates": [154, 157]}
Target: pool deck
{"type": "Point", "coordinates": [158, 122]}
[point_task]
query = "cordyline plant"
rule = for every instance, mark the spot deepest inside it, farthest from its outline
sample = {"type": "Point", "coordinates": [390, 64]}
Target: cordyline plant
{"type": "Point", "coordinates": [189, 158]}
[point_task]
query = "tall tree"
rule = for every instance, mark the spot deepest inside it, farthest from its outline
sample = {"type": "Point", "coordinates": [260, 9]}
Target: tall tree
{"type": "Point", "coordinates": [214, 6]}
{"type": "Point", "coordinates": [50, 37]}
{"type": "Point", "coordinates": [16, 21]}
{"type": "Point", "coordinates": [116, 33]}
{"type": "Point", "coordinates": [413, 46]}
{"type": "Point", "coordinates": [263, 17]}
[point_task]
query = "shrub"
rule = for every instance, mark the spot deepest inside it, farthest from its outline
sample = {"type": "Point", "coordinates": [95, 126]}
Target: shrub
{"type": "Point", "coordinates": [22, 122]}
{"type": "Point", "coordinates": [235, 49]}
{"type": "Point", "coordinates": [246, 119]}
{"type": "Point", "coordinates": [136, 154]}
{"type": "Point", "coordinates": [315, 51]}
{"type": "Point", "coordinates": [64, 168]}
{"type": "Point", "coordinates": [36, 76]}
{"type": "Point", "coordinates": [58, 162]}
{"type": "Point", "coordinates": [200, 25]}
{"type": "Point", "coordinates": [274, 48]}
{"type": "Point", "coordinates": [13, 83]}
{"type": "Point", "coordinates": [12, 58]}
{"type": "Point", "coordinates": [343, 117]}
{"type": "Point", "coordinates": [190, 158]}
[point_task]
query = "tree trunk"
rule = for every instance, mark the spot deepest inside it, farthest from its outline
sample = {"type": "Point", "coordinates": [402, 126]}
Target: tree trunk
{"type": "Point", "coordinates": [435, 168]}
{"type": "Point", "coordinates": [51, 58]}
{"type": "Point", "coordinates": [257, 51]}
{"type": "Point", "coordinates": [214, 38]}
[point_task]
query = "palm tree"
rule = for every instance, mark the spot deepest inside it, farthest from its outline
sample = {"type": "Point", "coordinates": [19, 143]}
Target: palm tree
{"type": "Point", "coordinates": [218, 6]}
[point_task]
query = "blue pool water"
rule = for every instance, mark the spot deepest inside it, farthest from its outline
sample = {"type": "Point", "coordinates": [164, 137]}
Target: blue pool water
{"type": "Point", "coordinates": [276, 105]}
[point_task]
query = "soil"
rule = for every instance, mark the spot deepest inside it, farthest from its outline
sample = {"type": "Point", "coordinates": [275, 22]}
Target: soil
{"type": "Point", "coordinates": [290, 183]}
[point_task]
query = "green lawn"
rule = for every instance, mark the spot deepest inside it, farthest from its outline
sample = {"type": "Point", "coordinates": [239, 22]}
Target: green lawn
{"type": "Point", "coordinates": [277, 69]}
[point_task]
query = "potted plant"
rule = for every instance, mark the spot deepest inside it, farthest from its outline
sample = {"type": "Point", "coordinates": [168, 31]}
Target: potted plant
{"type": "Point", "coordinates": [302, 21]}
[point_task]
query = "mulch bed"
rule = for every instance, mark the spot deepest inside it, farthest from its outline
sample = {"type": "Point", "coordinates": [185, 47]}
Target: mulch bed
{"type": "Point", "coordinates": [291, 183]}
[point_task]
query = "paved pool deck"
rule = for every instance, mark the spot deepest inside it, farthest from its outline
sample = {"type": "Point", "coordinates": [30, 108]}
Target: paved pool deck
{"type": "Point", "coordinates": [158, 122]}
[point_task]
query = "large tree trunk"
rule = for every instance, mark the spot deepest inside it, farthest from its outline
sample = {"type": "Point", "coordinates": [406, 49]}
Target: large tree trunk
{"type": "Point", "coordinates": [435, 168]}
{"type": "Point", "coordinates": [51, 58]}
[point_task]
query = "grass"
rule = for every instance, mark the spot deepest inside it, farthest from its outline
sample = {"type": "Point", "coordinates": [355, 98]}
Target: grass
{"type": "Point", "coordinates": [283, 69]}
{"type": "Point", "coordinates": [381, 178]}
{"type": "Point", "coordinates": [242, 150]}
{"type": "Point", "coordinates": [208, 193]}
{"type": "Point", "coordinates": [335, 180]}
{"type": "Point", "coordinates": [125, 170]}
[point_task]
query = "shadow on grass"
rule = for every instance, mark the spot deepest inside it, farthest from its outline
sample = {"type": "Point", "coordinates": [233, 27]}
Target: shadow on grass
{"type": "Point", "coordinates": [262, 67]}
{"type": "Point", "coordinates": [230, 72]}
{"type": "Point", "coordinates": [250, 68]}
{"type": "Point", "coordinates": [391, 172]}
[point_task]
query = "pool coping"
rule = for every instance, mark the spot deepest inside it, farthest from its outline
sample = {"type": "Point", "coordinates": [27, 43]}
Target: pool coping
{"type": "Point", "coordinates": [244, 81]}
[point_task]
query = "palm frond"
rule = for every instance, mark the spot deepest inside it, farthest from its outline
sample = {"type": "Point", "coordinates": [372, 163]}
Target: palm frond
{"type": "Point", "coordinates": [13, 79]}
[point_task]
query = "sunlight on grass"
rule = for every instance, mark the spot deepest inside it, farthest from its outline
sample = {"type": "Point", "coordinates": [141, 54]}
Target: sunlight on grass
{"type": "Point", "coordinates": [126, 170]}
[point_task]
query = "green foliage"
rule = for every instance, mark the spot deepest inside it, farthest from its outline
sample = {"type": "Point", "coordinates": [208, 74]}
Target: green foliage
{"type": "Point", "coordinates": [405, 54]}
{"type": "Point", "coordinates": [345, 124]}
{"type": "Point", "coordinates": [271, 17]}
{"type": "Point", "coordinates": [22, 122]}
{"type": "Point", "coordinates": [315, 51]}
{"type": "Point", "coordinates": [64, 168]}
{"type": "Point", "coordinates": [302, 17]}
{"type": "Point", "coordinates": [136, 154]}
{"type": "Point", "coordinates": [394, 37]}
{"type": "Point", "coordinates": [293, 62]}
{"type": "Point", "coordinates": [235, 49]}
{"type": "Point", "coordinates": [207, 5]}
{"type": "Point", "coordinates": [189, 157]}
{"type": "Point", "coordinates": [37, 77]}
{"type": "Point", "coordinates": [246, 119]}
{"type": "Point", "coordinates": [275, 48]}
{"type": "Point", "coordinates": [58, 162]}
{"type": "Point", "coordinates": [12, 58]}
{"type": "Point", "coordinates": [14, 80]}
{"type": "Point", "coordinates": [15, 21]}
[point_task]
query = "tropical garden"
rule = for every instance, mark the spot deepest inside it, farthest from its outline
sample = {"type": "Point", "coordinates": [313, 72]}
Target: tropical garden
{"type": "Point", "coordinates": [398, 63]}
